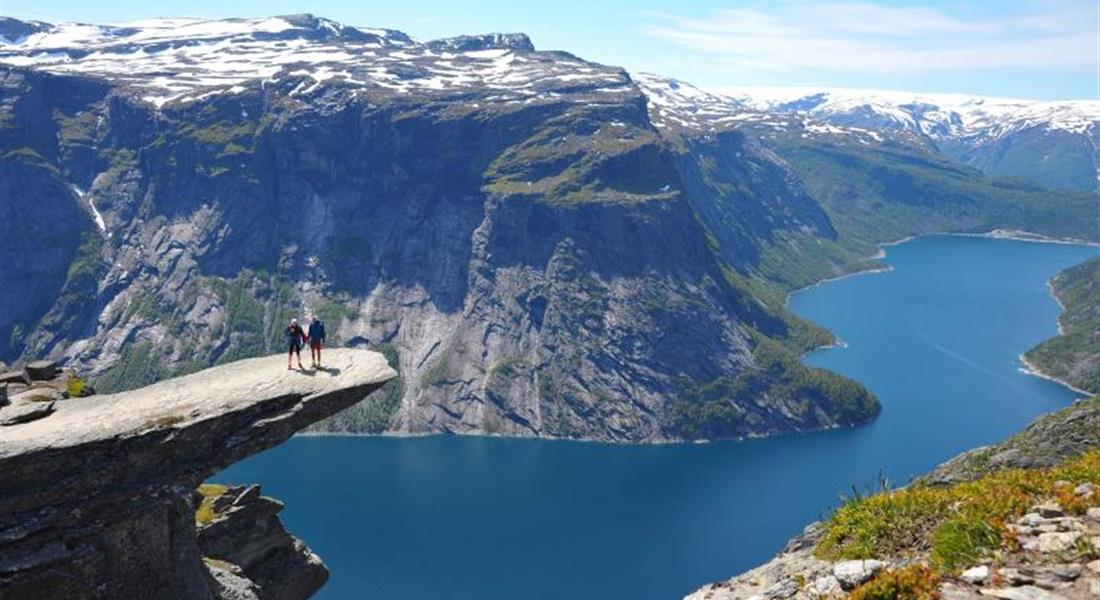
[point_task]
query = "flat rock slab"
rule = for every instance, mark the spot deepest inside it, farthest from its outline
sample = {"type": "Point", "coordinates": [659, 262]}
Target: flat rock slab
{"type": "Point", "coordinates": [15, 377]}
{"type": "Point", "coordinates": [42, 370]}
{"type": "Point", "coordinates": [24, 413]}
{"type": "Point", "coordinates": [180, 402]}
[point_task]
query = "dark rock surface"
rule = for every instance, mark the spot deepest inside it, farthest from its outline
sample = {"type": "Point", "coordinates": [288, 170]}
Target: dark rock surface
{"type": "Point", "coordinates": [96, 498]}
{"type": "Point", "coordinates": [41, 370]}
{"type": "Point", "coordinates": [245, 530]}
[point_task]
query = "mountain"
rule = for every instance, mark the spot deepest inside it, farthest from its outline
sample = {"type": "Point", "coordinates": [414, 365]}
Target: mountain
{"type": "Point", "coordinates": [543, 246]}
{"type": "Point", "coordinates": [1074, 355]}
{"type": "Point", "coordinates": [1053, 143]}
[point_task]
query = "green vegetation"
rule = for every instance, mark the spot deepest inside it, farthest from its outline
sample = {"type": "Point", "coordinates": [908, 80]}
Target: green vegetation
{"type": "Point", "coordinates": [914, 582]}
{"type": "Point", "coordinates": [713, 410]}
{"type": "Point", "coordinates": [959, 525]}
{"type": "Point", "coordinates": [575, 159]}
{"type": "Point", "coordinates": [1074, 356]}
{"type": "Point", "coordinates": [210, 492]}
{"type": "Point", "coordinates": [138, 365]}
{"type": "Point", "coordinates": [75, 387]}
{"type": "Point", "coordinates": [882, 193]}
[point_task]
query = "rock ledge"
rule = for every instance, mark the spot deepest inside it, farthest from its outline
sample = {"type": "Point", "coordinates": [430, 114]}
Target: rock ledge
{"type": "Point", "coordinates": [96, 499]}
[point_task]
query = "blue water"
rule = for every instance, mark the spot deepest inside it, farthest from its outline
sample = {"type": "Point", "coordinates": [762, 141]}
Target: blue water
{"type": "Point", "coordinates": [936, 338]}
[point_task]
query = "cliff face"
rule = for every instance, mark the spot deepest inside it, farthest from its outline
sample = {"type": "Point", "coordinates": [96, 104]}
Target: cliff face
{"type": "Point", "coordinates": [97, 498]}
{"type": "Point", "coordinates": [544, 266]}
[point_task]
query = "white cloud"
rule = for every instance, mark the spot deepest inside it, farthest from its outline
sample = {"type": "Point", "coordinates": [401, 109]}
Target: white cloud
{"type": "Point", "coordinates": [874, 38]}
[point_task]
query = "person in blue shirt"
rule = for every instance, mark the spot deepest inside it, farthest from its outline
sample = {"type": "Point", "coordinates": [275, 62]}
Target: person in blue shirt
{"type": "Point", "coordinates": [316, 337]}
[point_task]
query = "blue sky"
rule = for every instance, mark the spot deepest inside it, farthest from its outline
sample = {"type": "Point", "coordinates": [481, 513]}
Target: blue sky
{"type": "Point", "coordinates": [1014, 48]}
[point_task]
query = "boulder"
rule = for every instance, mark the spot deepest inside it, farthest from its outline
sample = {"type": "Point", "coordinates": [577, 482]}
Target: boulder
{"type": "Point", "coordinates": [246, 531]}
{"type": "Point", "coordinates": [96, 500]}
{"type": "Point", "coordinates": [42, 370]}
{"type": "Point", "coordinates": [976, 575]}
{"type": "Point", "coordinates": [19, 376]}
{"type": "Point", "coordinates": [3, 394]}
{"type": "Point", "coordinates": [1049, 510]}
{"type": "Point", "coordinates": [25, 412]}
{"type": "Point", "coordinates": [1058, 541]}
{"type": "Point", "coordinates": [851, 573]}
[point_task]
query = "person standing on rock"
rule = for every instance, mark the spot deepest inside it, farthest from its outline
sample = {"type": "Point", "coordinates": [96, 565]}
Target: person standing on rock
{"type": "Point", "coordinates": [295, 337]}
{"type": "Point", "coordinates": [316, 337]}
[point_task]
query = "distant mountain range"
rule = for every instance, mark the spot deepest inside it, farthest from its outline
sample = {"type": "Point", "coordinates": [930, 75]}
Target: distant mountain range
{"type": "Point", "coordinates": [1051, 142]}
{"type": "Point", "coordinates": [543, 245]}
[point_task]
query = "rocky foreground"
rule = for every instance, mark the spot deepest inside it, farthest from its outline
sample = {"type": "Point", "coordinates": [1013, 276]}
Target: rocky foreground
{"type": "Point", "coordinates": [1019, 520]}
{"type": "Point", "coordinates": [97, 494]}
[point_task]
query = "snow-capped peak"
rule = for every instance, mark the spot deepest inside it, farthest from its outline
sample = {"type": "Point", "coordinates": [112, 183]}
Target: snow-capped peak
{"type": "Point", "coordinates": [934, 115]}
{"type": "Point", "coordinates": [181, 60]}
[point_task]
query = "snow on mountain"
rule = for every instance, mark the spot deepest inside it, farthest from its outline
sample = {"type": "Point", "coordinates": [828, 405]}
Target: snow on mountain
{"type": "Point", "coordinates": [168, 60]}
{"type": "Point", "coordinates": [934, 115]}
{"type": "Point", "coordinates": [677, 104]}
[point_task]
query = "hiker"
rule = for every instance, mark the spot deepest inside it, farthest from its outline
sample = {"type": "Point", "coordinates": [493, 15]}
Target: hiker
{"type": "Point", "coordinates": [295, 337]}
{"type": "Point", "coordinates": [316, 337]}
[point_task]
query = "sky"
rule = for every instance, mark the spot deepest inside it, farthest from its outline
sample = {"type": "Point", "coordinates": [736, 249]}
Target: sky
{"type": "Point", "coordinates": [1047, 49]}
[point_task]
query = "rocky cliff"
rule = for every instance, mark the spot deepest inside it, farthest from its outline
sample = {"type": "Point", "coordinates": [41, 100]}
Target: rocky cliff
{"type": "Point", "coordinates": [1019, 520]}
{"type": "Point", "coordinates": [97, 494]}
{"type": "Point", "coordinates": [545, 246]}
{"type": "Point", "coordinates": [508, 224]}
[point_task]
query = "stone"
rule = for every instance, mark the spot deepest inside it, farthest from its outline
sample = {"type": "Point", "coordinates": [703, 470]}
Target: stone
{"type": "Point", "coordinates": [1066, 572]}
{"type": "Point", "coordinates": [949, 591]}
{"type": "Point", "coordinates": [41, 370]}
{"type": "Point", "coordinates": [1057, 541]}
{"type": "Point", "coordinates": [1030, 519]}
{"type": "Point", "coordinates": [1085, 489]}
{"type": "Point", "coordinates": [15, 377]}
{"type": "Point", "coordinates": [1094, 566]}
{"type": "Point", "coordinates": [781, 590]}
{"type": "Point", "coordinates": [3, 394]}
{"type": "Point", "coordinates": [827, 585]}
{"type": "Point", "coordinates": [952, 591]}
{"type": "Point", "coordinates": [1093, 513]}
{"type": "Point", "coordinates": [96, 499]}
{"type": "Point", "coordinates": [25, 413]}
{"type": "Point", "coordinates": [976, 575]}
{"type": "Point", "coordinates": [1049, 510]}
{"type": "Point", "coordinates": [1017, 577]}
{"type": "Point", "coordinates": [851, 573]}
{"type": "Point", "coordinates": [248, 533]}
{"type": "Point", "coordinates": [230, 582]}
{"type": "Point", "coordinates": [1024, 592]}
{"type": "Point", "coordinates": [37, 394]}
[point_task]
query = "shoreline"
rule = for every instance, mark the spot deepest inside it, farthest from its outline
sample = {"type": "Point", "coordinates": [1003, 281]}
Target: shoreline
{"type": "Point", "coordinates": [1029, 368]}
{"type": "Point", "coordinates": [1019, 235]}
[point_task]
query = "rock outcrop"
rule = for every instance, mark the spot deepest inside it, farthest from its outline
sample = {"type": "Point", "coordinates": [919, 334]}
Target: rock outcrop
{"type": "Point", "coordinates": [1047, 553]}
{"type": "Point", "coordinates": [97, 498]}
{"type": "Point", "coordinates": [1047, 441]}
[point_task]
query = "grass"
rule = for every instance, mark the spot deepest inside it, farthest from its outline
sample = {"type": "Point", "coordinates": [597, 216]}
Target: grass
{"type": "Point", "coordinates": [914, 582]}
{"type": "Point", "coordinates": [957, 526]}
{"type": "Point", "coordinates": [210, 492]}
